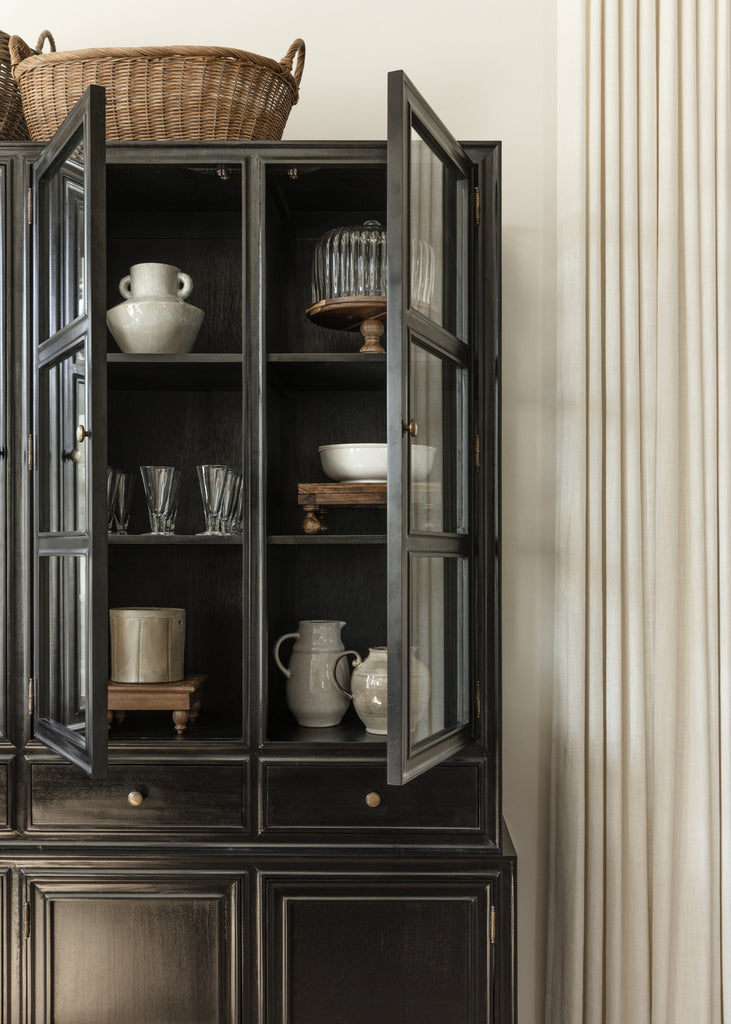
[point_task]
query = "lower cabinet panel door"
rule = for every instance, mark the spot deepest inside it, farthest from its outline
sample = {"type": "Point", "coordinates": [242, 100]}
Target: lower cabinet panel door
{"type": "Point", "coordinates": [134, 948]}
{"type": "Point", "coordinates": [388, 949]}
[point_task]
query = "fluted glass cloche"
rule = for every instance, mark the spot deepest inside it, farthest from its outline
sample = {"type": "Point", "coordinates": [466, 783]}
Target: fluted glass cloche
{"type": "Point", "coordinates": [350, 261]}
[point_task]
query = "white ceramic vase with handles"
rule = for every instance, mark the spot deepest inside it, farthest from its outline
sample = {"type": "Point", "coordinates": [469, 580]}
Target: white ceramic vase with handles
{"type": "Point", "coordinates": [155, 318]}
{"type": "Point", "coordinates": [313, 696]}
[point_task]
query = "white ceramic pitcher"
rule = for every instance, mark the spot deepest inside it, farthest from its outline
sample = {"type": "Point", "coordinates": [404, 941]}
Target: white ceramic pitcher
{"type": "Point", "coordinates": [312, 694]}
{"type": "Point", "coordinates": [369, 690]}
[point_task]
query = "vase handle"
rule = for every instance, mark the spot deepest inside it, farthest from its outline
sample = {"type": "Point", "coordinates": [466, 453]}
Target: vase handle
{"type": "Point", "coordinates": [286, 636]}
{"type": "Point", "coordinates": [185, 285]}
{"type": "Point", "coordinates": [356, 663]}
{"type": "Point", "coordinates": [125, 287]}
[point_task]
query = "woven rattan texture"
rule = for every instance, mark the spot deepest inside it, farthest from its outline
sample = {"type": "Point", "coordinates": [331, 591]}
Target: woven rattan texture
{"type": "Point", "coordinates": [12, 122]}
{"type": "Point", "coordinates": [163, 93]}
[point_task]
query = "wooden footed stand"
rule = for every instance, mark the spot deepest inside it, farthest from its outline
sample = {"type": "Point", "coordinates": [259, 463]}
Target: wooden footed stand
{"type": "Point", "coordinates": [315, 499]}
{"type": "Point", "coordinates": [365, 313]}
{"type": "Point", "coordinates": [182, 698]}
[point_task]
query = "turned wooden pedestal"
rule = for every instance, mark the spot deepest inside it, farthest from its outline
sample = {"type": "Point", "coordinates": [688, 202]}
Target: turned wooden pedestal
{"type": "Point", "coordinates": [183, 698]}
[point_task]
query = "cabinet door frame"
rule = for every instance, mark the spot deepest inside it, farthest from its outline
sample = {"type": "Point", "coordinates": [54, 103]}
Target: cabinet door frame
{"type": "Point", "coordinates": [42, 888]}
{"type": "Point", "coordinates": [85, 743]}
{"type": "Point", "coordinates": [5, 432]}
{"type": "Point", "coordinates": [486, 889]}
{"type": "Point", "coordinates": [408, 328]}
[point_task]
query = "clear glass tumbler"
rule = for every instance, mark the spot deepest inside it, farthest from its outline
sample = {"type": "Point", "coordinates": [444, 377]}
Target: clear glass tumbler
{"type": "Point", "coordinates": [211, 480]}
{"type": "Point", "coordinates": [231, 489]}
{"type": "Point", "coordinates": [113, 476]}
{"type": "Point", "coordinates": [123, 501]}
{"type": "Point", "coordinates": [159, 483]}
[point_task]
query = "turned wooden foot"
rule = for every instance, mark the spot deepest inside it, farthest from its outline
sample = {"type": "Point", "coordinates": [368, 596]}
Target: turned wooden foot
{"type": "Point", "coordinates": [314, 521]}
{"type": "Point", "coordinates": [372, 331]}
{"type": "Point", "coordinates": [181, 719]}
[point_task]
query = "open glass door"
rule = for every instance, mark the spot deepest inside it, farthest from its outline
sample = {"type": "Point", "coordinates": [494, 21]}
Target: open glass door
{"type": "Point", "coordinates": [429, 358]}
{"type": "Point", "coordinates": [68, 442]}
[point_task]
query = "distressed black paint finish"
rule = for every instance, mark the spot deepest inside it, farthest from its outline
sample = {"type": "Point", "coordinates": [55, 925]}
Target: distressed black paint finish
{"type": "Point", "coordinates": [255, 882]}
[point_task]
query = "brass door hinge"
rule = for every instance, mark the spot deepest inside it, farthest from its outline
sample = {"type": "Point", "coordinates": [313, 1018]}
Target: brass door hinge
{"type": "Point", "coordinates": [492, 926]}
{"type": "Point", "coordinates": [477, 206]}
{"type": "Point", "coordinates": [478, 699]}
{"type": "Point", "coordinates": [31, 696]}
{"type": "Point", "coordinates": [26, 920]}
{"type": "Point", "coordinates": [30, 453]}
{"type": "Point", "coordinates": [30, 205]}
{"type": "Point", "coordinates": [477, 452]}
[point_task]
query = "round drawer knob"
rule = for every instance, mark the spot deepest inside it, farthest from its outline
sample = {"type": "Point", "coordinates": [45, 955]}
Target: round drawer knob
{"type": "Point", "coordinates": [135, 798]}
{"type": "Point", "coordinates": [373, 799]}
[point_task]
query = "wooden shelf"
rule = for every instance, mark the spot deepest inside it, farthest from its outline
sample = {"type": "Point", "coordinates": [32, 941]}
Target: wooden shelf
{"type": "Point", "coordinates": [167, 539]}
{"type": "Point", "coordinates": [327, 538]}
{"type": "Point", "coordinates": [193, 371]}
{"type": "Point", "coordinates": [318, 371]}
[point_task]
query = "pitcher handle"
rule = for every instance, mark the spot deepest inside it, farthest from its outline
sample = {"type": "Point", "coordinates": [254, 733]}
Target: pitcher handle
{"type": "Point", "coordinates": [286, 636]}
{"type": "Point", "coordinates": [358, 661]}
{"type": "Point", "coordinates": [125, 287]}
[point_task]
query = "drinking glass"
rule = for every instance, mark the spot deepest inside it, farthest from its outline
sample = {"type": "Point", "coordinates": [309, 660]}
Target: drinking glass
{"type": "Point", "coordinates": [159, 482]}
{"type": "Point", "coordinates": [237, 523]}
{"type": "Point", "coordinates": [173, 505]}
{"type": "Point", "coordinates": [123, 502]}
{"type": "Point", "coordinates": [113, 476]}
{"type": "Point", "coordinates": [211, 479]}
{"type": "Point", "coordinates": [229, 501]}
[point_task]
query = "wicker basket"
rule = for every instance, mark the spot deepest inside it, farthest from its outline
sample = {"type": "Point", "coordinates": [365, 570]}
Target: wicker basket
{"type": "Point", "coordinates": [162, 93]}
{"type": "Point", "coordinates": [12, 122]}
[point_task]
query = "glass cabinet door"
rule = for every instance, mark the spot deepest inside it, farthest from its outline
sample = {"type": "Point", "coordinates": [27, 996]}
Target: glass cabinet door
{"type": "Point", "coordinates": [69, 439]}
{"type": "Point", "coordinates": [429, 358]}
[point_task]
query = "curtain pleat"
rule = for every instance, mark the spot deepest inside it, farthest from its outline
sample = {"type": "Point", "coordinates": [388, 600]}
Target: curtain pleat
{"type": "Point", "coordinates": [640, 814]}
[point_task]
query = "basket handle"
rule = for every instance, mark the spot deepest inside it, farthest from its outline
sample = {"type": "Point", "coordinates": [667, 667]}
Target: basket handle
{"type": "Point", "coordinates": [19, 51]}
{"type": "Point", "coordinates": [45, 35]}
{"type": "Point", "coordinates": [296, 49]}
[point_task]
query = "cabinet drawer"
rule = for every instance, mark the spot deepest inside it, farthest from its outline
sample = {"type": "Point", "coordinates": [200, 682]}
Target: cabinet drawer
{"type": "Point", "coordinates": [174, 796]}
{"type": "Point", "coordinates": [355, 796]}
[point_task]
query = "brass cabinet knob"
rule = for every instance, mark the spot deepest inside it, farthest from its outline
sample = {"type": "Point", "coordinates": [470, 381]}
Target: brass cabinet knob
{"type": "Point", "coordinates": [412, 427]}
{"type": "Point", "coordinates": [81, 433]}
{"type": "Point", "coordinates": [373, 799]}
{"type": "Point", "coordinates": [75, 456]}
{"type": "Point", "coordinates": [135, 798]}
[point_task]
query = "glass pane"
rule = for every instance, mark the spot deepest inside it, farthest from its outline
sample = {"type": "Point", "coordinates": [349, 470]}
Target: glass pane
{"type": "Point", "coordinates": [438, 453]}
{"type": "Point", "coordinates": [438, 251]}
{"type": "Point", "coordinates": [63, 641]}
{"type": "Point", "coordinates": [61, 457]}
{"type": "Point", "coordinates": [62, 238]}
{"type": "Point", "coordinates": [438, 645]}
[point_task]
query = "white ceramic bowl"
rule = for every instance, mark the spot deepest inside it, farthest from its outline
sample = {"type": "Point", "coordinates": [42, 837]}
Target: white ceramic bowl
{"type": "Point", "coordinates": [155, 326]}
{"type": "Point", "coordinates": [366, 463]}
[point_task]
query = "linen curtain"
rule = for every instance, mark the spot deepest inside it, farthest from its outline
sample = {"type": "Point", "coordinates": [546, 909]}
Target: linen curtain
{"type": "Point", "coordinates": [640, 863]}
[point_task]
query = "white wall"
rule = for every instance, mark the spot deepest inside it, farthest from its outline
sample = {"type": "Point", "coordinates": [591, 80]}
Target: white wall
{"type": "Point", "coordinates": [488, 69]}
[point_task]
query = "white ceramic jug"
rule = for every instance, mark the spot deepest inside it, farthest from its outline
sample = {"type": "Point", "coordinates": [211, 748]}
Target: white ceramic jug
{"type": "Point", "coordinates": [154, 317]}
{"type": "Point", "coordinates": [369, 690]}
{"type": "Point", "coordinates": [314, 694]}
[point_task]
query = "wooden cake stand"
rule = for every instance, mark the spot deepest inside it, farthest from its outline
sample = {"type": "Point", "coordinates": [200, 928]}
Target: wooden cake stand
{"type": "Point", "coordinates": [365, 313]}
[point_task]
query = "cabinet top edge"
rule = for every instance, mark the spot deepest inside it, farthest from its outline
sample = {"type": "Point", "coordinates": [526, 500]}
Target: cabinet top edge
{"type": "Point", "coordinates": [120, 152]}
